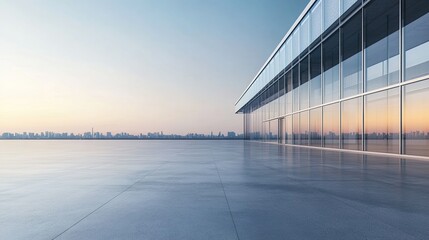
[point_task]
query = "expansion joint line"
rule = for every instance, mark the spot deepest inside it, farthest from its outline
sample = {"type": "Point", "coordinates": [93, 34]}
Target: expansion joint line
{"type": "Point", "coordinates": [108, 201]}
{"type": "Point", "coordinates": [226, 199]}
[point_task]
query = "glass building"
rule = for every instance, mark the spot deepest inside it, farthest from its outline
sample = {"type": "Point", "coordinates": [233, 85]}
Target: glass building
{"type": "Point", "coordinates": [349, 74]}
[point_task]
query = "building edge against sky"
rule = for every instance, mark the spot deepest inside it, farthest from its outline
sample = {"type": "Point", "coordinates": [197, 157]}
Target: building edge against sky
{"type": "Point", "coordinates": [349, 74]}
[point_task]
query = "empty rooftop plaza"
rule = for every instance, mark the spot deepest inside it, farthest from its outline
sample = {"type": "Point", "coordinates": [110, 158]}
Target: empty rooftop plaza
{"type": "Point", "coordinates": [207, 190]}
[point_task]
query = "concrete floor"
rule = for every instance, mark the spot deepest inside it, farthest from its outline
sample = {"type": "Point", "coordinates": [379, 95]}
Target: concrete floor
{"type": "Point", "coordinates": [206, 190]}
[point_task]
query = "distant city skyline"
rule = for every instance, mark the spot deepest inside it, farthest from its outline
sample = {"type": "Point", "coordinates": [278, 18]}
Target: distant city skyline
{"type": "Point", "coordinates": [133, 65]}
{"type": "Point", "coordinates": [120, 135]}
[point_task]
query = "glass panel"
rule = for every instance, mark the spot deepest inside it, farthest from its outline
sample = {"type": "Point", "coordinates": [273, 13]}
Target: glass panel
{"type": "Point", "coordinates": [382, 121]}
{"type": "Point", "coordinates": [316, 127]}
{"type": "Point", "coordinates": [331, 126]}
{"type": "Point", "coordinates": [347, 4]}
{"type": "Point", "coordinates": [265, 131]}
{"type": "Point", "coordinates": [281, 93]}
{"type": "Point", "coordinates": [303, 88]}
{"type": "Point", "coordinates": [288, 51]}
{"type": "Point", "coordinates": [352, 56]}
{"type": "Point", "coordinates": [289, 87]}
{"type": "Point", "coordinates": [416, 38]}
{"type": "Point", "coordinates": [295, 91]}
{"type": "Point", "coordinates": [416, 119]}
{"type": "Point", "coordinates": [381, 23]}
{"type": "Point", "coordinates": [274, 129]}
{"type": "Point", "coordinates": [316, 21]}
{"type": "Point", "coordinates": [281, 130]}
{"type": "Point", "coordinates": [276, 64]}
{"type": "Point", "coordinates": [315, 75]}
{"type": "Point", "coordinates": [288, 130]}
{"type": "Point", "coordinates": [295, 43]}
{"type": "Point", "coordinates": [303, 128]}
{"type": "Point", "coordinates": [331, 69]}
{"type": "Point", "coordinates": [351, 124]}
{"type": "Point", "coordinates": [304, 31]}
{"type": "Point", "coordinates": [331, 12]}
{"type": "Point", "coordinates": [295, 133]}
{"type": "Point", "coordinates": [282, 57]}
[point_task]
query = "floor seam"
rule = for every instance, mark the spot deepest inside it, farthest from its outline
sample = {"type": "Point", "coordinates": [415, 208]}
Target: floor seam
{"type": "Point", "coordinates": [226, 199]}
{"type": "Point", "coordinates": [111, 199]}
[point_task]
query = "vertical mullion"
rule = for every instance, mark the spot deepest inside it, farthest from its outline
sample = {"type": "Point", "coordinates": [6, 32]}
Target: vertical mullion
{"type": "Point", "coordinates": [402, 75]}
{"type": "Point", "coordinates": [322, 75]}
{"type": "Point", "coordinates": [364, 77]}
{"type": "Point", "coordinates": [340, 66]}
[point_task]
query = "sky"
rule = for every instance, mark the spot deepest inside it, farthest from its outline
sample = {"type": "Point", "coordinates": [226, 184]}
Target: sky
{"type": "Point", "coordinates": [176, 66]}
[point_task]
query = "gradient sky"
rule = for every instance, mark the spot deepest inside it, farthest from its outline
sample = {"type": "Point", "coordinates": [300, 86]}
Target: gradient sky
{"type": "Point", "coordinates": [136, 66]}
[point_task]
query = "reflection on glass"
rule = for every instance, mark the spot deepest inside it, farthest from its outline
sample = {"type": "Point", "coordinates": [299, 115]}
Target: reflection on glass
{"type": "Point", "coordinates": [295, 83]}
{"type": "Point", "coordinates": [265, 131]}
{"type": "Point", "coordinates": [351, 124]}
{"type": "Point", "coordinates": [281, 131]}
{"type": "Point", "coordinates": [352, 57]}
{"type": "Point", "coordinates": [416, 38]}
{"type": "Point", "coordinates": [315, 75]}
{"type": "Point", "coordinates": [330, 68]}
{"type": "Point", "coordinates": [295, 43]}
{"type": "Point", "coordinates": [289, 97]}
{"type": "Point", "coordinates": [303, 128]}
{"type": "Point", "coordinates": [315, 127]}
{"type": "Point", "coordinates": [305, 33]}
{"type": "Point", "coordinates": [416, 119]}
{"type": "Point", "coordinates": [274, 129]}
{"type": "Point", "coordinates": [303, 88]}
{"type": "Point", "coordinates": [381, 21]}
{"type": "Point", "coordinates": [382, 121]}
{"type": "Point", "coordinates": [295, 133]}
{"type": "Point", "coordinates": [288, 50]}
{"type": "Point", "coordinates": [331, 12]}
{"type": "Point", "coordinates": [288, 130]}
{"type": "Point", "coordinates": [347, 4]}
{"type": "Point", "coordinates": [316, 21]}
{"type": "Point", "coordinates": [331, 125]}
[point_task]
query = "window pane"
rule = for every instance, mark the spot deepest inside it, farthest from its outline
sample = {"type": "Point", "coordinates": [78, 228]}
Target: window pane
{"type": "Point", "coordinates": [352, 57]}
{"type": "Point", "coordinates": [303, 88]}
{"type": "Point", "coordinates": [316, 127]}
{"type": "Point", "coordinates": [281, 93]}
{"type": "Point", "coordinates": [416, 38]}
{"type": "Point", "coordinates": [315, 75]}
{"type": "Point", "coordinates": [351, 123]}
{"type": "Point", "coordinates": [295, 133]}
{"type": "Point", "coordinates": [288, 51]}
{"type": "Point", "coordinates": [316, 21]}
{"type": "Point", "coordinates": [282, 57]}
{"type": "Point", "coordinates": [295, 91]}
{"type": "Point", "coordinates": [416, 119]}
{"type": "Point", "coordinates": [295, 43]}
{"type": "Point", "coordinates": [382, 43]}
{"type": "Point", "coordinates": [289, 87]}
{"type": "Point", "coordinates": [274, 129]}
{"type": "Point", "coordinates": [382, 121]}
{"type": "Point", "coordinates": [331, 12]}
{"type": "Point", "coordinates": [288, 130]}
{"type": "Point", "coordinates": [331, 126]}
{"type": "Point", "coordinates": [303, 128]}
{"type": "Point", "coordinates": [265, 131]}
{"type": "Point", "coordinates": [331, 69]}
{"type": "Point", "coordinates": [304, 31]}
{"type": "Point", "coordinates": [347, 4]}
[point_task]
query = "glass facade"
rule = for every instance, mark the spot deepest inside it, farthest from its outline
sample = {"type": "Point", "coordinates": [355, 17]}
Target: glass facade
{"type": "Point", "coordinates": [382, 121]}
{"type": "Point", "coordinates": [350, 74]}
